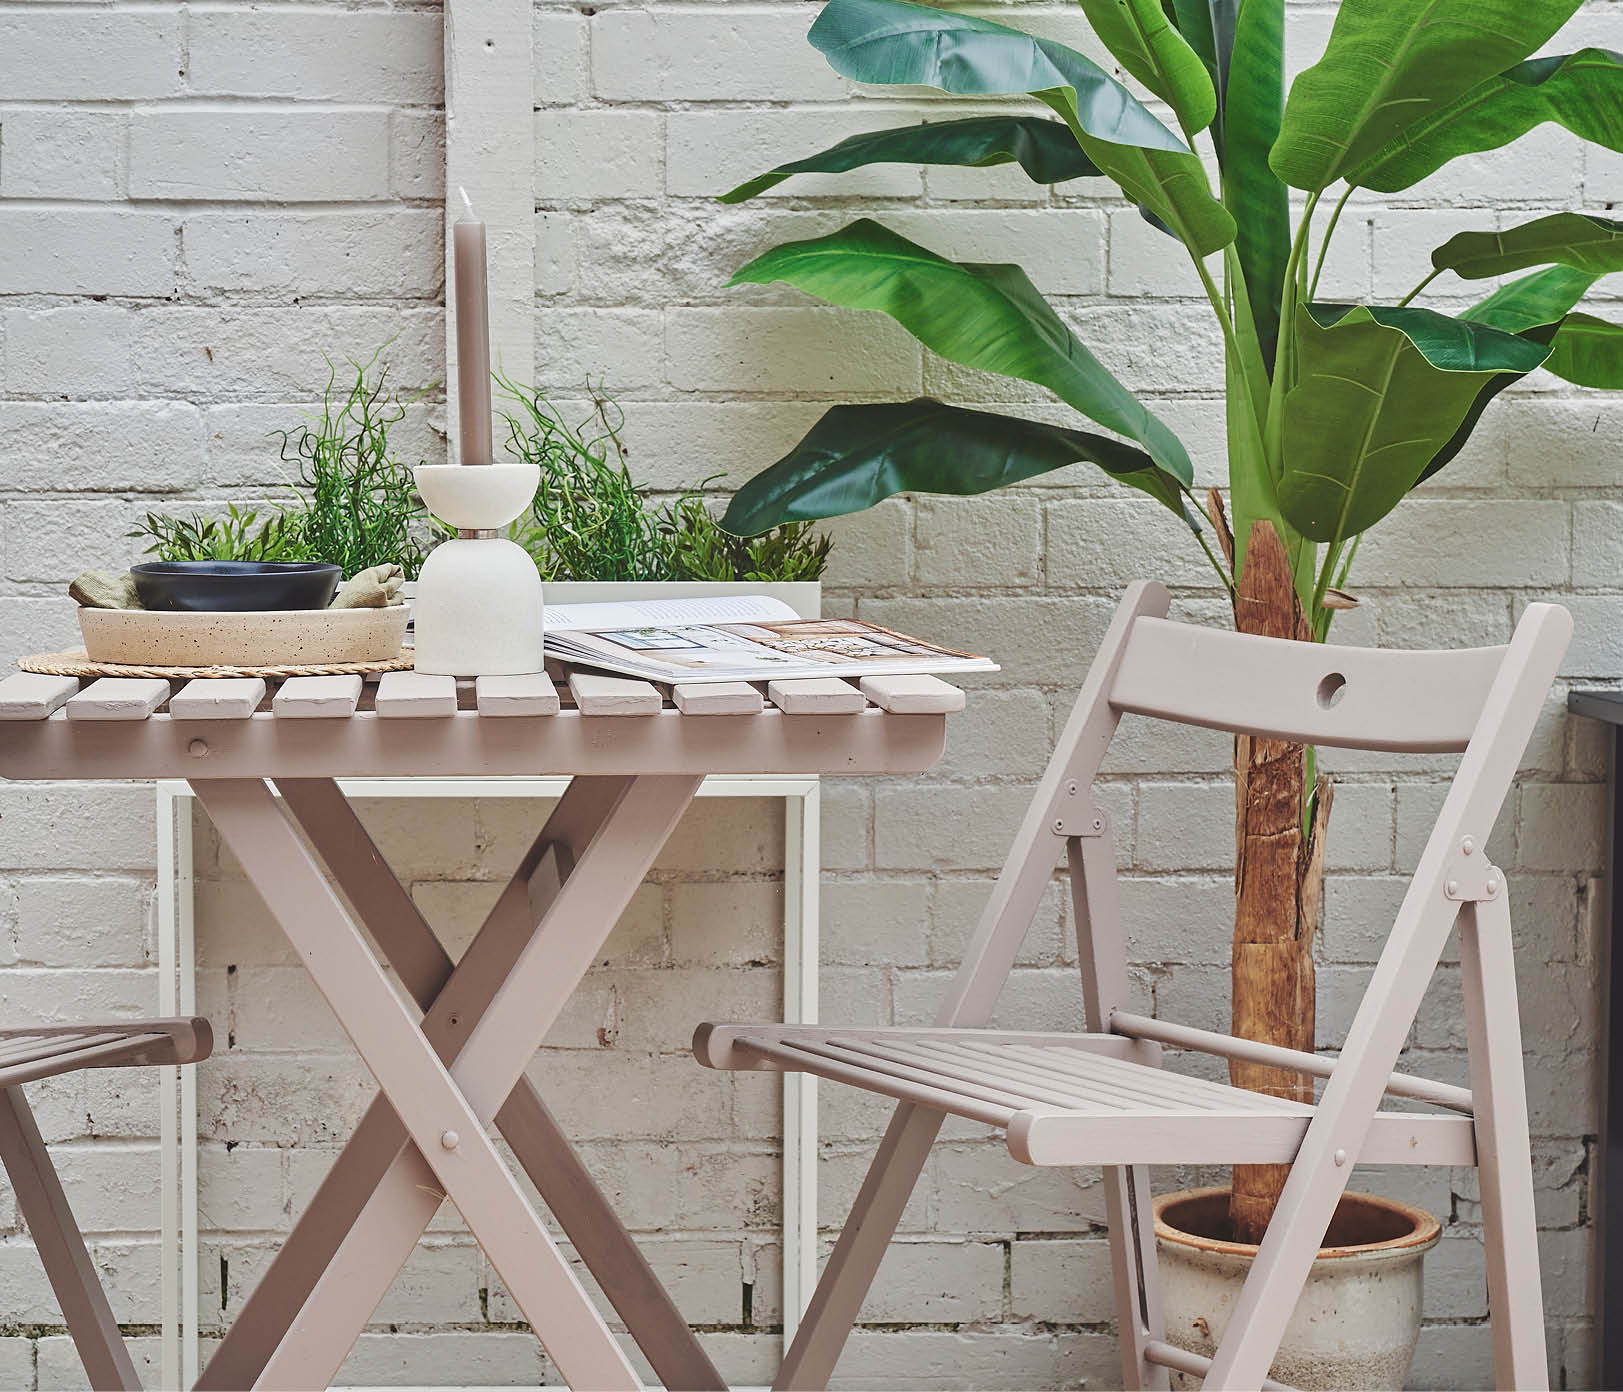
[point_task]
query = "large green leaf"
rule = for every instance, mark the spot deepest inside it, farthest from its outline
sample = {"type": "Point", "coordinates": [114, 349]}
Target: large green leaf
{"type": "Point", "coordinates": [1251, 190]}
{"type": "Point", "coordinates": [1588, 351]}
{"type": "Point", "coordinates": [1380, 393]}
{"type": "Point", "coordinates": [1582, 91]}
{"type": "Point", "coordinates": [893, 42]}
{"type": "Point", "coordinates": [1044, 149]}
{"type": "Point", "coordinates": [857, 455]}
{"type": "Point", "coordinates": [1578, 240]}
{"type": "Point", "coordinates": [1138, 34]}
{"type": "Point", "coordinates": [1540, 298]}
{"type": "Point", "coordinates": [1224, 16]}
{"type": "Point", "coordinates": [983, 316]}
{"type": "Point", "coordinates": [1539, 334]}
{"type": "Point", "coordinates": [1390, 64]}
{"type": "Point", "coordinates": [1194, 21]}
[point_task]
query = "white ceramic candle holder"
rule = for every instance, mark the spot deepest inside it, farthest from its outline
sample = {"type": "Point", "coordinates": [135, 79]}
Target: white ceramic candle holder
{"type": "Point", "coordinates": [478, 609]}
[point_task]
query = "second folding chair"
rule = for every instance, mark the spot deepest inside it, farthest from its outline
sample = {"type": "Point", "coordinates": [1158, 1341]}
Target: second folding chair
{"type": "Point", "coordinates": [1102, 1098]}
{"type": "Point", "coordinates": [47, 1051]}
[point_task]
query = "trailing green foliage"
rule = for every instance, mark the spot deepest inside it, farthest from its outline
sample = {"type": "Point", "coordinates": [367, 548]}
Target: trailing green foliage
{"type": "Point", "coordinates": [358, 505]}
{"type": "Point", "coordinates": [590, 520]}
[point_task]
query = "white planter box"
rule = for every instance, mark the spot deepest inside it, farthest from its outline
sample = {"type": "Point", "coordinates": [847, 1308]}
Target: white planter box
{"type": "Point", "coordinates": [805, 597]}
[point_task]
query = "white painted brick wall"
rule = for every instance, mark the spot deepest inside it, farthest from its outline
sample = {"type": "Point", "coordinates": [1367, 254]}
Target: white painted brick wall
{"type": "Point", "coordinates": [197, 199]}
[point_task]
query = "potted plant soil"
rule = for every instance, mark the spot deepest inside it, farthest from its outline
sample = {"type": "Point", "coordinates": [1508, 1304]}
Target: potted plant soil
{"type": "Point", "coordinates": [1334, 412]}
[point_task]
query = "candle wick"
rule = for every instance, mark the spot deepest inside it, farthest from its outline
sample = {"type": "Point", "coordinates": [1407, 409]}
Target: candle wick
{"type": "Point", "coordinates": [466, 202]}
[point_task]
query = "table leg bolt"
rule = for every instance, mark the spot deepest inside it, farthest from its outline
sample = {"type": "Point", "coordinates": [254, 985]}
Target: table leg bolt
{"type": "Point", "coordinates": [450, 1140]}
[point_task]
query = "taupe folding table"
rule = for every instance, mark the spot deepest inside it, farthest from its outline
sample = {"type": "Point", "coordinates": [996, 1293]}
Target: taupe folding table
{"type": "Point", "coordinates": [449, 1070]}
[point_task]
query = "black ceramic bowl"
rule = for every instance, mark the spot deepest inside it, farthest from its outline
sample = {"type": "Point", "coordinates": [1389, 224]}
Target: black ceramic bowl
{"type": "Point", "coordinates": [234, 586]}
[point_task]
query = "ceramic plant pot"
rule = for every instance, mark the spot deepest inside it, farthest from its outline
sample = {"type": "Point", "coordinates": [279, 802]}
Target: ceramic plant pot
{"type": "Point", "coordinates": [1358, 1318]}
{"type": "Point", "coordinates": [278, 638]}
{"type": "Point", "coordinates": [477, 610]}
{"type": "Point", "coordinates": [235, 586]}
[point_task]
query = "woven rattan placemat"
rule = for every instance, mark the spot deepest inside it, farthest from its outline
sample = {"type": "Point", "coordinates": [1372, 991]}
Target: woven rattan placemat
{"type": "Point", "coordinates": [75, 663]}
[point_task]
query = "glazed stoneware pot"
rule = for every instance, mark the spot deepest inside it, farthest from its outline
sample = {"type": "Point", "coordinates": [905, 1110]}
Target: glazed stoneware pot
{"type": "Point", "coordinates": [1358, 1318]}
{"type": "Point", "coordinates": [235, 586]}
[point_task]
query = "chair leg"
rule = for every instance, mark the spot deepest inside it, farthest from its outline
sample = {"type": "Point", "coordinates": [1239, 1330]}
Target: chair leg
{"type": "Point", "coordinates": [862, 1245]}
{"type": "Point", "coordinates": [61, 1249]}
{"type": "Point", "coordinates": [1139, 1319]}
{"type": "Point", "coordinates": [1504, 1159]}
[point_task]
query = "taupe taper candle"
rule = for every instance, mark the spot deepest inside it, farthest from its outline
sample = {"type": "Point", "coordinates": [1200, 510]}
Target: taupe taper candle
{"type": "Point", "coordinates": [472, 338]}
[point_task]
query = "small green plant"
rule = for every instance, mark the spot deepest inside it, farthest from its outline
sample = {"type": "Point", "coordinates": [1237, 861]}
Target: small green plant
{"type": "Point", "coordinates": [358, 504]}
{"type": "Point", "coordinates": [701, 550]}
{"type": "Point", "coordinates": [353, 505]}
{"type": "Point", "coordinates": [238, 536]}
{"type": "Point", "coordinates": [591, 521]}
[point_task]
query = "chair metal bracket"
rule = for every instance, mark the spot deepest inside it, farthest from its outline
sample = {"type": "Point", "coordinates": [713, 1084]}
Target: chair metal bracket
{"type": "Point", "coordinates": [1472, 877]}
{"type": "Point", "coordinates": [1074, 813]}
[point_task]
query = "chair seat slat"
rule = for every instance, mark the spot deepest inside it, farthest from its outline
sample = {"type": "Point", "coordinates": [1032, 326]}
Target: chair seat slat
{"type": "Point", "coordinates": [1091, 1088]}
{"type": "Point", "coordinates": [27, 1047]}
{"type": "Point", "coordinates": [93, 1053]}
{"type": "Point", "coordinates": [1052, 1096]}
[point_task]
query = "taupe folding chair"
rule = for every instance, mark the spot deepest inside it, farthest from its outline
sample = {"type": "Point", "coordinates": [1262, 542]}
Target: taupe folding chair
{"type": "Point", "coordinates": [44, 1051]}
{"type": "Point", "coordinates": [1103, 1099]}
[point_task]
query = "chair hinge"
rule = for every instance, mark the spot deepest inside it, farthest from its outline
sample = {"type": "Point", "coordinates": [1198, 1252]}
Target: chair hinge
{"type": "Point", "coordinates": [1471, 876]}
{"type": "Point", "coordinates": [1074, 814]}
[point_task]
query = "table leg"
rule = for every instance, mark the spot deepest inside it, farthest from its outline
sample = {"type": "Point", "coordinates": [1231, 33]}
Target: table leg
{"type": "Point", "coordinates": [386, 909]}
{"type": "Point", "coordinates": [450, 1142]}
{"type": "Point", "coordinates": [307, 1250]}
{"type": "Point", "coordinates": [535, 985]}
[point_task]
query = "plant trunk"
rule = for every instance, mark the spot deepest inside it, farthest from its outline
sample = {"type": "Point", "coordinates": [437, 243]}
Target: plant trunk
{"type": "Point", "coordinates": [1278, 883]}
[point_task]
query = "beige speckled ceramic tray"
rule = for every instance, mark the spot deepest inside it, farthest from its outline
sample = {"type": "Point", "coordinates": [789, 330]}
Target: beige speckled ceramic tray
{"type": "Point", "coordinates": [353, 639]}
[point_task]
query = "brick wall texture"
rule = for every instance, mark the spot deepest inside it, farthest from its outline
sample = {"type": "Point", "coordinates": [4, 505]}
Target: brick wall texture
{"type": "Point", "coordinates": [196, 200]}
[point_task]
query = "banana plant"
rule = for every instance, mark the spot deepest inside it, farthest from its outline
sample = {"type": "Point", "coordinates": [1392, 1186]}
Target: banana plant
{"type": "Point", "coordinates": [1334, 412]}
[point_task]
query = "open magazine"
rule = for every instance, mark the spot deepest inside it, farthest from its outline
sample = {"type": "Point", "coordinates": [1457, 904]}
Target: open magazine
{"type": "Point", "coordinates": [736, 638]}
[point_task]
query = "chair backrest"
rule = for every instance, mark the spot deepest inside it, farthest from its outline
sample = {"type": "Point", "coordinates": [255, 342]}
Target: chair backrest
{"type": "Point", "coordinates": [1311, 693]}
{"type": "Point", "coordinates": [1481, 702]}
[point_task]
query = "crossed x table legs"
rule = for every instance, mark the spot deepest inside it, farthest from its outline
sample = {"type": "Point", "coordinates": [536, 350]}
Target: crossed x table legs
{"type": "Point", "coordinates": [446, 1077]}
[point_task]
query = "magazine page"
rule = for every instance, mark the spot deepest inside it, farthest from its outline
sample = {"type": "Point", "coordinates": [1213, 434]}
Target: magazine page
{"type": "Point", "coordinates": [759, 651]}
{"type": "Point", "coordinates": [636, 613]}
